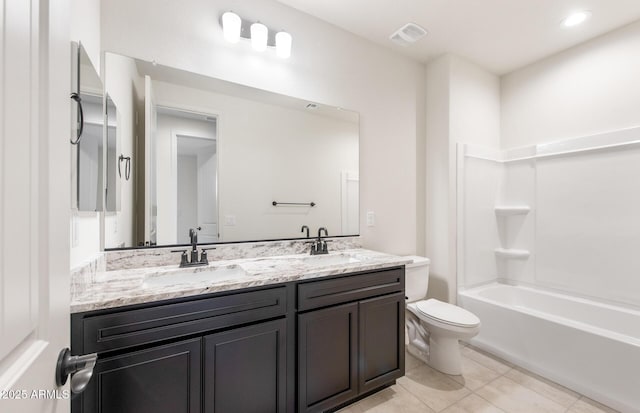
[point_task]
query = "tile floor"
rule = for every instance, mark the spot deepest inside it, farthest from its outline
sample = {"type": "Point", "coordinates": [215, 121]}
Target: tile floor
{"type": "Point", "coordinates": [487, 385]}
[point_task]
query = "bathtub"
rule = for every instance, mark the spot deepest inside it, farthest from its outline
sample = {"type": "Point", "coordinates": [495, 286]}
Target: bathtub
{"type": "Point", "coordinates": [590, 347]}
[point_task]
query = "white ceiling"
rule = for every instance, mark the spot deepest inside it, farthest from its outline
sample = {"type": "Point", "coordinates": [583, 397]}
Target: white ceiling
{"type": "Point", "coordinates": [499, 35]}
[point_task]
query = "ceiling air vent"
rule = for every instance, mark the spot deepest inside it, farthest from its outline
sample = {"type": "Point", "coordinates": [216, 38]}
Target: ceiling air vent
{"type": "Point", "coordinates": [408, 34]}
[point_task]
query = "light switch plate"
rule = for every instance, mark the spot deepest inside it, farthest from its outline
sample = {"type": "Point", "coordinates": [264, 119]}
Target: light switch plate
{"type": "Point", "coordinates": [230, 220]}
{"type": "Point", "coordinates": [371, 219]}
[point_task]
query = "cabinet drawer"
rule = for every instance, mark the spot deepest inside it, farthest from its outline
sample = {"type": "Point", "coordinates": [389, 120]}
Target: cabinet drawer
{"type": "Point", "coordinates": [135, 327]}
{"type": "Point", "coordinates": [350, 288]}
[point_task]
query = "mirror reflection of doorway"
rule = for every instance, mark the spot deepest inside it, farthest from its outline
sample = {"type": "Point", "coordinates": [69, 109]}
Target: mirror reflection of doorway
{"type": "Point", "coordinates": [185, 181]}
{"type": "Point", "coordinates": [197, 181]}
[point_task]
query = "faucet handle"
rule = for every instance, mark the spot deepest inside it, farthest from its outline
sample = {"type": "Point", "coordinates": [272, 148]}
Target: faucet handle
{"type": "Point", "coordinates": [183, 257]}
{"type": "Point", "coordinates": [204, 259]}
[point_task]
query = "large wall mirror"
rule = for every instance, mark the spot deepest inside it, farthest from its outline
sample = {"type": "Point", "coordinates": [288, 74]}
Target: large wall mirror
{"type": "Point", "coordinates": [234, 162]}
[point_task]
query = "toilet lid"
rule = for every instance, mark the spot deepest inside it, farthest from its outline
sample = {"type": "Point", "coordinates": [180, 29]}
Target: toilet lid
{"type": "Point", "coordinates": [447, 313]}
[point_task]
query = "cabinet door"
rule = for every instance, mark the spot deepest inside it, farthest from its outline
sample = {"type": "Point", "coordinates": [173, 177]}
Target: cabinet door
{"type": "Point", "coordinates": [327, 357]}
{"type": "Point", "coordinates": [381, 341]}
{"type": "Point", "coordinates": [157, 380]}
{"type": "Point", "coordinates": [245, 369]}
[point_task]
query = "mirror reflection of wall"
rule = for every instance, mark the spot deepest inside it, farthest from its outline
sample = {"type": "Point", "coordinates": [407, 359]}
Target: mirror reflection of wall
{"type": "Point", "coordinates": [90, 147]}
{"type": "Point", "coordinates": [126, 90]}
{"type": "Point", "coordinates": [111, 130]}
{"type": "Point", "coordinates": [215, 155]}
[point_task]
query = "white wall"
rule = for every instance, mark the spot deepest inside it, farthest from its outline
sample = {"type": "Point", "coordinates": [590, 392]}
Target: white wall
{"type": "Point", "coordinates": [588, 89]}
{"type": "Point", "coordinates": [327, 65]}
{"type": "Point", "coordinates": [463, 106]}
{"type": "Point", "coordinates": [437, 177]}
{"type": "Point", "coordinates": [85, 28]}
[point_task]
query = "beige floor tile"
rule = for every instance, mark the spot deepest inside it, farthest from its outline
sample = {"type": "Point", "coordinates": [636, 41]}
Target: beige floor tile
{"type": "Point", "coordinates": [390, 400]}
{"type": "Point", "coordinates": [586, 405]}
{"type": "Point", "coordinates": [435, 389]}
{"type": "Point", "coordinates": [472, 404]}
{"type": "Point", "coordinates": [547, 388]}
{"type": "Point", "coordinates": [411, 361]}
{"type": "Point", "coordinates": [515, 398]}
{"type": "Point", "coordinates": [486, 359]}
{"type": "Point", "coordinates": [475, 375]}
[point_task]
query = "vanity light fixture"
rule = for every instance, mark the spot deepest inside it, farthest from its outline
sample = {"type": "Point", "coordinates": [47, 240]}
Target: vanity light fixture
{"type": "Point", "coordinates": [283, 44]}
{"type": "Point", "coordinates": [231, 26]}
{"type": "Point", "coordinates": [235, 28]}
{"type": "Point", "coordinates": [576, 18]}
{"type": "Point", "coordinates": [259, 36]}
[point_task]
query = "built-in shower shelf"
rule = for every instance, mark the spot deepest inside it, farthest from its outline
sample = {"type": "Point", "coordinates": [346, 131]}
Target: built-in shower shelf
{"type": "Point", "coordinates": [505, 210]}
{"type": "Point", "coordinates": [512, 253]}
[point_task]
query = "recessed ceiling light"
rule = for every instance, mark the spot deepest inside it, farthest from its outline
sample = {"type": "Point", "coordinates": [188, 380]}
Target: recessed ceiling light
{"type": "Point", "coordinates": [576, 18]}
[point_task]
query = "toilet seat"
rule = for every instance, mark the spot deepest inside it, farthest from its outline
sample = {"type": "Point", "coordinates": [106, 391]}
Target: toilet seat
{"type": "Point", "coordinates": [447, 313]}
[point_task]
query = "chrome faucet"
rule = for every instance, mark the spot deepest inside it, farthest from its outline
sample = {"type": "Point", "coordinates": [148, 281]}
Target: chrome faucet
{"type": "Point", "coordinates": [319, 246]}
{"type": "Point", "coordinates": [307, 228]}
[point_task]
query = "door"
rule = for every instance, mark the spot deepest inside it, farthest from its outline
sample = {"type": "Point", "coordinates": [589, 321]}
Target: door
{"type": "Point", "coordinates": [327, 357]}
{"type": "Point", "coordinates": [245, 369]}
{"type": "Point", "coordinates": [196, 190]}
{"type": "Point", "coordinates": [350, 195]}
{"type": "Point", "coordinates": [34, 202]}
{"type": "Point", "coordinates": [381, 341]}
{"type": "Point", "coordinates": [147, 178]}
{"type": "Point", "coordinates": [208, 194]}
{"type": "Point", "coordinates": [163, 379]}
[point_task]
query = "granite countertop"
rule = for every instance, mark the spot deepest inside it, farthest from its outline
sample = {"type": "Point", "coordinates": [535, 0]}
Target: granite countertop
{"type": "Point", "coordinates": [111, 289]}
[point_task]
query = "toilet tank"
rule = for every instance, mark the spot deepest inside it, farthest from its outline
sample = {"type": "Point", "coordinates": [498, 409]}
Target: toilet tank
{"type": "Point", "coordinates": [417, 278]}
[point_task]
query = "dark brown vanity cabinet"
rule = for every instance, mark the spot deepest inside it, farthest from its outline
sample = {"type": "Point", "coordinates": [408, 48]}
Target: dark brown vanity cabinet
{"type": "Point", "coordinates": [221, 354]}
{"type": "Point", "coordinates": [137, 382]}
{"type": "Point", "coordinates": [245, 369]}
{"type": "Point", "coordinates": [306, 346]}
{"type": "Point", "coordinates": [351, 341]}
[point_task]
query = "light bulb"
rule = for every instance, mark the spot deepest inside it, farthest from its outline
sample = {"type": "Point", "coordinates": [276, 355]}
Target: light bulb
{"type": "Point", "coordinates": [231, 25]}
{"type": "Point", "coordinates": [283, 44]}
{"type": "Point", "coordinates": [259, 36]}
{"type": "Point", "coordinates": [576, 18]}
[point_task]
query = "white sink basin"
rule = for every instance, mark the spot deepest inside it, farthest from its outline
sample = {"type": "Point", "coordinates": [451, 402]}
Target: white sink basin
{"type": "Point", "coordinates": [326, 260]}
{"type": "Point", "coordinates": [208, 275]}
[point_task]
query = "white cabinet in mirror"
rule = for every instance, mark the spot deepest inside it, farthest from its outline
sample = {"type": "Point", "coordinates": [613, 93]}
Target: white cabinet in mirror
{"type": "Point", "coordinates": [213, 155]}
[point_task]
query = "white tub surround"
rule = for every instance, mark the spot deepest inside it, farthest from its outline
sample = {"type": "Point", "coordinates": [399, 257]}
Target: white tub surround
{"type": "Point", "coordinates": [563, 215]}
{"type": "Point", "coordinates": [540, 226]}
{"type": "Point", "coordinates": [142, 285]}
{"type": "Point", "coordinates": [590, 347]}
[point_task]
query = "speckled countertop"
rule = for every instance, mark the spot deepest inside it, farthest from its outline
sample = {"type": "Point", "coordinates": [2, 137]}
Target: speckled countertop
{"type": "Point", "coordinates": [108, 289]}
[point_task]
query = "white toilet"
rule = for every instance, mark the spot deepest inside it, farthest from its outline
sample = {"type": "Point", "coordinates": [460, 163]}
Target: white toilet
{"type": "Point", "coordinates": [434, 326]}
